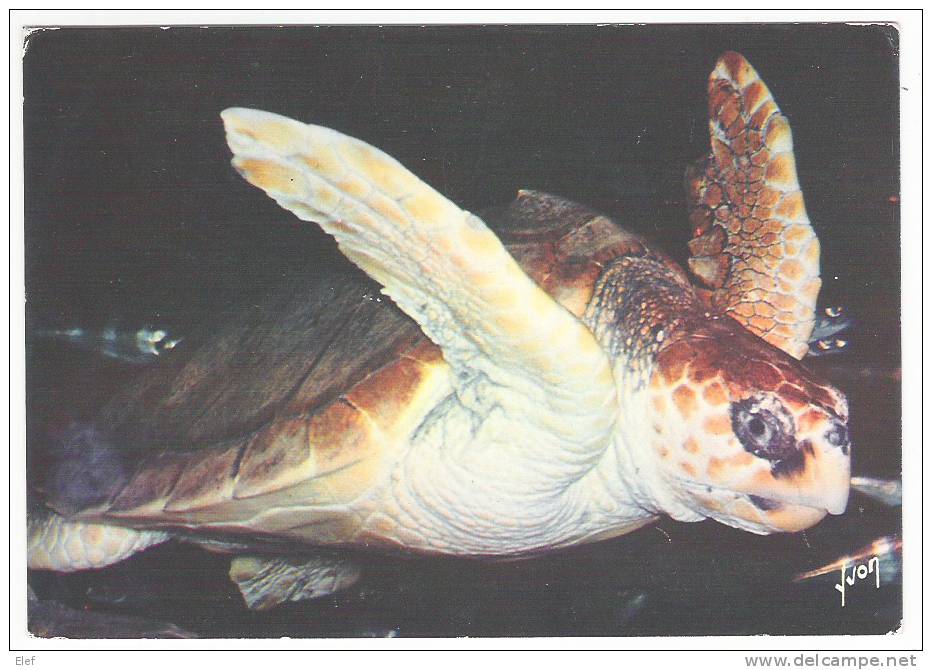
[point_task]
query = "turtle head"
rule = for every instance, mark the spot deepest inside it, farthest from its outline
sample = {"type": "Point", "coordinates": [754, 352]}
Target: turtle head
{"type": "Point", "coordinates": [745, 434]}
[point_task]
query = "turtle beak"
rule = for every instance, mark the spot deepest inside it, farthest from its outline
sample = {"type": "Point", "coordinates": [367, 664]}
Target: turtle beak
{"type": "Point", "coordinates": [818, 475]}
{"type": "Point", "coordinates": [792, 499]}
{"type": "Point", "coordinates": [837, 481]}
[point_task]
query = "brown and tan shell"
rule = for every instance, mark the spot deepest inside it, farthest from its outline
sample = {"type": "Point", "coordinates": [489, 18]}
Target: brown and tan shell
{"type": "Point", "coordinates": [292, 401]}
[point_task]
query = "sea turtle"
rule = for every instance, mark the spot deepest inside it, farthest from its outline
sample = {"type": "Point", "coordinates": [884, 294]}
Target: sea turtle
{"type": "Point", "coordinates": [555, 382]}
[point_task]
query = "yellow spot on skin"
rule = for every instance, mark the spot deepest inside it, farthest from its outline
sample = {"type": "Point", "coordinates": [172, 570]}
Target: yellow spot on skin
{"type": "Point", "coordinates": [798, 232]}
{"type": "Point", "coordinates": [715, 467]}
{"type": "Point", "coordinates": [688, 469]}
{"type": "Point", "coordinates": [715, 394]}
{"type": "Point", "coordinates": [388, 209]}
{"type": "Point", "coordinates": [791, 269]}
{"type": "Point", "coordinates": [283, 136]}
{"type": "Point", "coordinates": [512, 325]}
{"type": "Point", "coordinates": [271, 177]}
{"type": "Point", "coordinates": [479, 242]}
{"type": "Point", "coordinates": [541, 304]}
{"type": "Point", "coordinates": [811, 290]}
{"type": "Point", "coordinates": [379, 169]}
{"type": "Point", "coordinates": [324, 161]}
{"type": "Point", "coordinates": [757, 264]}
{"type": "Point", "coordinates": [781, 171]}
{"type": "Point", "coordinates": [791, 207]}
{"type": "Point", "coordinates": [685, 399]}
{"type": "Point", "coordinates": [783, 330]}
{"type": "Point", "coordinates": [429, 209]}
{"type": "Point", "coordinates": [710, 503]}
{"type": "Point", "coordinates": [691, 446]}
{"type": "Point", "coordinates": [717, 425]}
{"type": "Point", "coordinates": [663, 451]}
{"type": "Point", "coordinates": [778, 136]}
{"type": "Point", "coordinates": [811, 253]}
{"type": "Point", "coordinates": [765, 309]}
{"type": "Point", "coordinates": [660, 404]}
{"type": "Point", "coordinates": [768, 198]}
{"type": "Point", "coordinates": [743, 459]}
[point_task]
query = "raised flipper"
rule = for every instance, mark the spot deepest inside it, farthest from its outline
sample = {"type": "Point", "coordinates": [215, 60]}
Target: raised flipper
{"type": "Point", "coordinates": [752, 242]}
{"type": "Point", "coordinates": [446, 270]}
{"type": "Point", "coordinates": [267, 581]}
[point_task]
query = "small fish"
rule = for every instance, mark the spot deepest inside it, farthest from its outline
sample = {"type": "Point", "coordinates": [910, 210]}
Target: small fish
{"type": "Point", "coordinates": [887, 549]}
{"type": "Point", "coordinates": [827, 346]}
{"type": "Point", "coordinates": [830, 322]}
{"type": "Point", "coordinates": [630, 605]}
{"type": "Point", "coordinates": [139, 346]}
{"type": "Point", "coordinates": [887, 491]}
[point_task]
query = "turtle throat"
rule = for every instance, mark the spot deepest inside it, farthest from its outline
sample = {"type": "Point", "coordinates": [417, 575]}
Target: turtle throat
{"type": "Point", "coordinates": [640, 306]}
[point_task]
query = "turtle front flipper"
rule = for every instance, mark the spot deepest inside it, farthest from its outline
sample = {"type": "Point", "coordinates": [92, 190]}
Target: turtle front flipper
{"type": "Point", "coordinates": [268, 581]}
{"type": "Point", "coordinates": [753, 245]}
{"type": "Point", "coordinates": [448, 271]}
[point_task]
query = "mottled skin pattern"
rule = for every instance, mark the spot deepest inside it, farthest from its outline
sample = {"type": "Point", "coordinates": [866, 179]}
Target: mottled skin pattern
{"type": "Point", "coordinates": [753, 245]}
{"type": "Point", "coordinates": [568, 383]}
{"type": "Point", "coordinates": [700, 389]}
{"type": "Point", "coordinates": [639, 304]}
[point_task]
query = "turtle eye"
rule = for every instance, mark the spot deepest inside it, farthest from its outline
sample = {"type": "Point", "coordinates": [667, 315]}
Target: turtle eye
{"type": "Point", "coordinates": [760, 431]}
{"type": "Point", "coordinates": [837, 436]}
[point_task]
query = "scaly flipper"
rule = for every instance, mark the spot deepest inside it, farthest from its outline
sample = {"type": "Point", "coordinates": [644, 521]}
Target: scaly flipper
{"type": "Point", "coordinates": [445, 269]}
{"type": "Point", "coordinates": [753, 244]}
{"type": "Point", "coordinates": [267, 581]}
{"type": "Point", "coordinates": [56, 543]}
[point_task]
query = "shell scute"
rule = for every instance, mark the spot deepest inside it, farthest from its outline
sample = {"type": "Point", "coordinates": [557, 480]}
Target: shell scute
{"type": "Point", "coordinates": [205, 480]}
{"type": "Point", "coordinates": [276, 457]}
{"type": "Point", "coordinates": [152, 483]}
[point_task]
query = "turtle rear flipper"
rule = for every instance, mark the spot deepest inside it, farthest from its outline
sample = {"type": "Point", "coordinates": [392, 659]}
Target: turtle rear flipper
{"type": "Point", "coordinates": [268, 581]}
{"type": "Point", "coordinates": [65, 545]}
{"type": "Point", "coordinates": [753, 245]}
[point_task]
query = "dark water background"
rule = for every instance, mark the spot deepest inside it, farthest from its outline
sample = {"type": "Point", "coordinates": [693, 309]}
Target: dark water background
{"type": "Point", "coordinates": [132, 211]}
